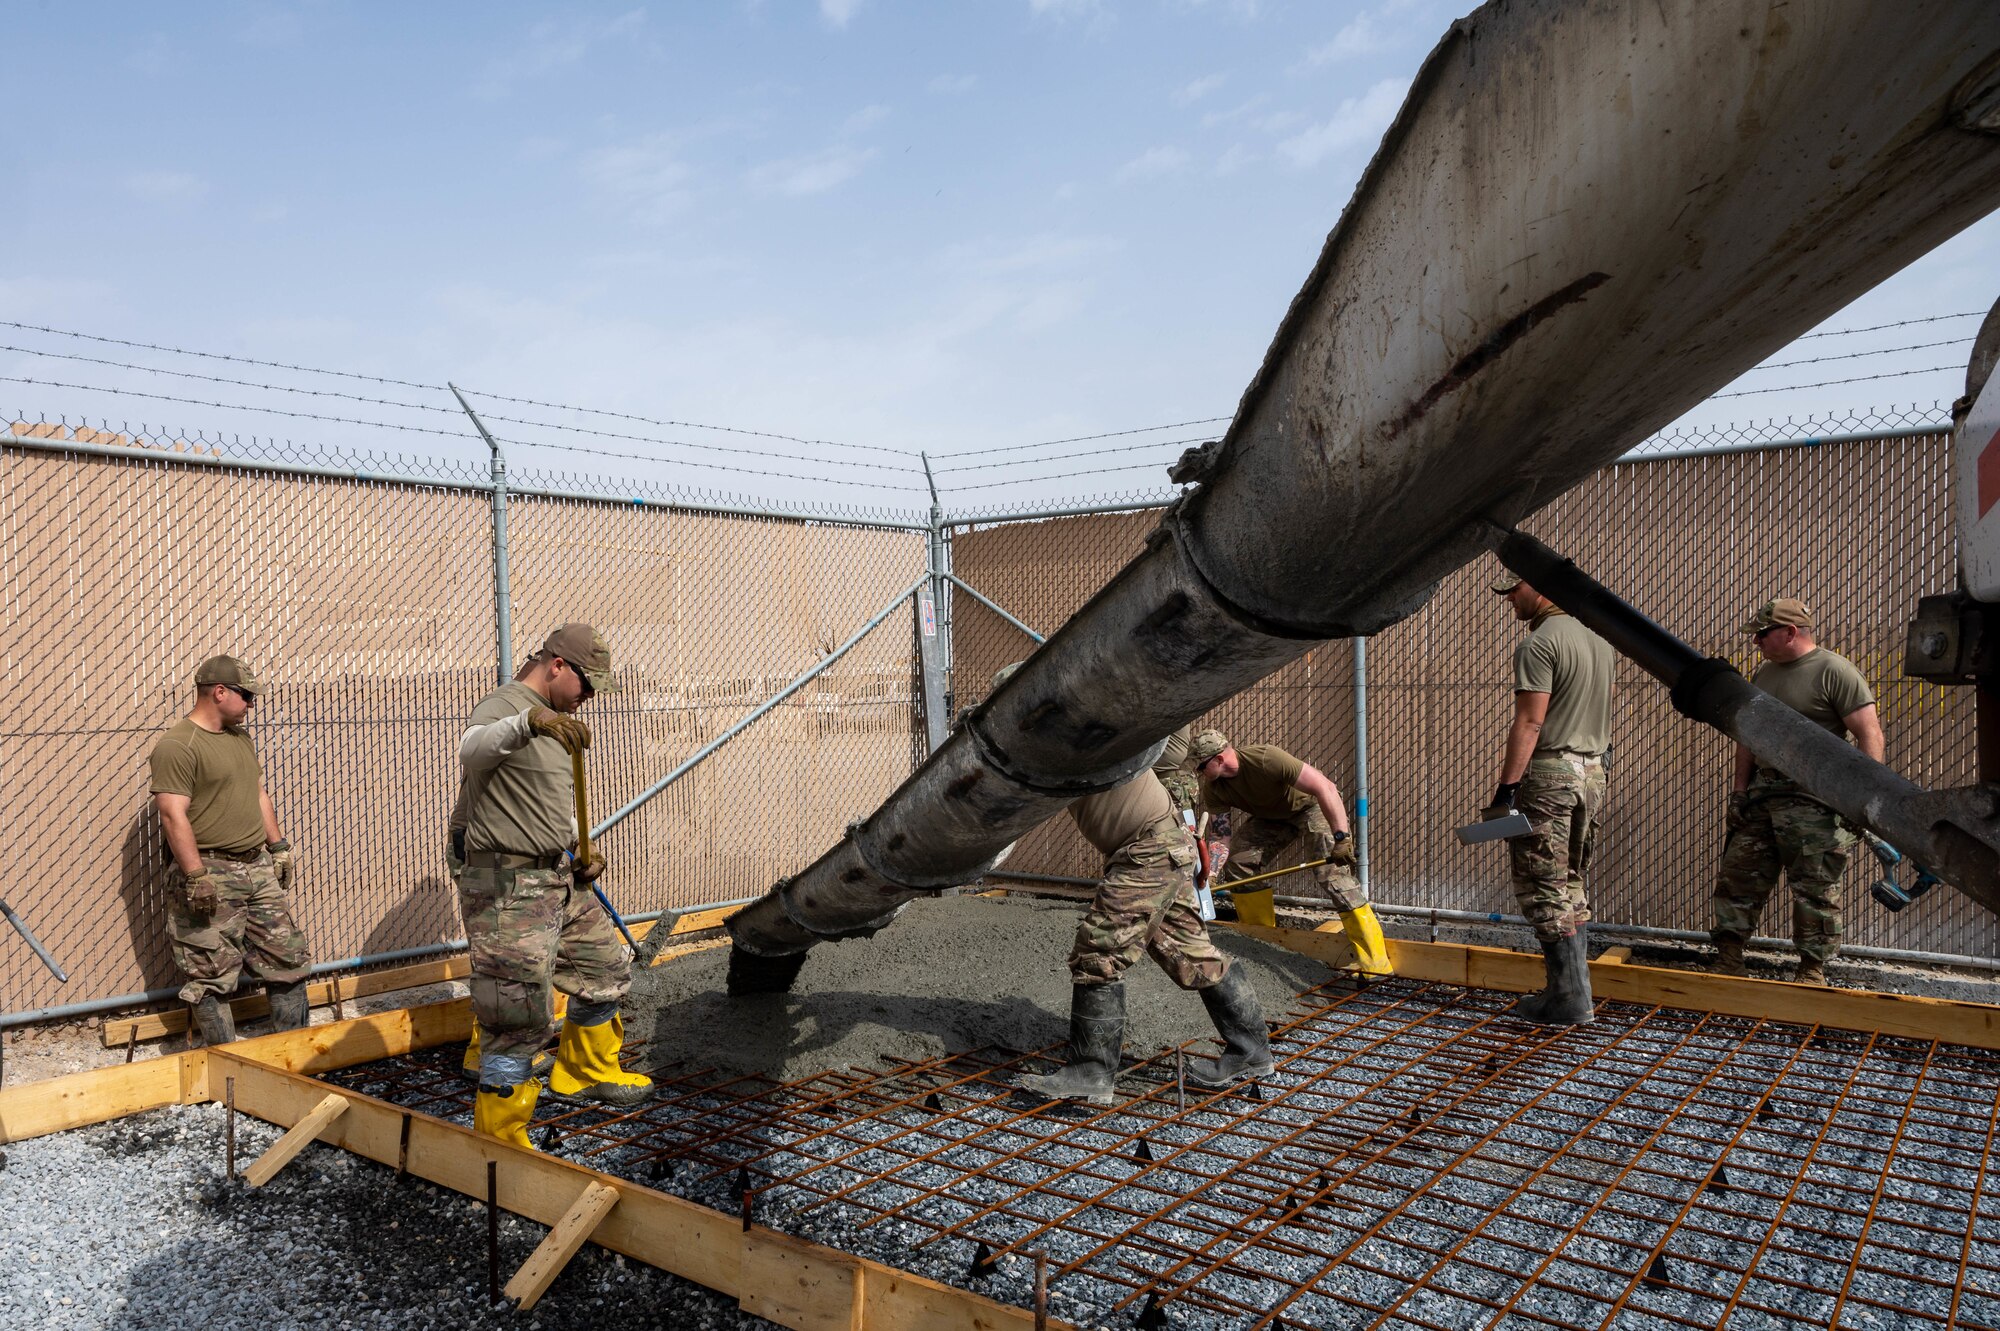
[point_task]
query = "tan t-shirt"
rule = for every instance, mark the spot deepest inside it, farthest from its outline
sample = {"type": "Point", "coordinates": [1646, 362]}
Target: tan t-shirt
{"type": "Point", "coordinates": [1110, 819]}
{"type": "Point", "coordinates": [1262, 787]}
{"type": "Point", "coordinates": [526, 803]}
{"type": "Point", "coordinates": [1823, 686]}
{"type": "Point", "coordinates": [1173, 758]}
{"type": "Point", "coordinates": [1574, 666]}
{"type": "Point", "coordinates": [220, 776]}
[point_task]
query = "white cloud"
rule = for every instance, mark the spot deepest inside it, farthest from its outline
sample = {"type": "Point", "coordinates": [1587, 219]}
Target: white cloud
{"type": "Point", "coordinates": [814, 173]}
{"type": "Point", "coordinates": [552, 46]}
{"type": "Point", "coordinates": [647, 174]}
{"type": "Point", "coordinates": [838, 12]}
{"type": "Point", "coordinates": [862, 119]}
{"type": "Point", "coordinates": [1234, 159]}
{"type": "Point", "coordinates": [1189, 93]}
{"type": "Point", "coordinates": [166, 186]}
{"type": "Point", "coordinates": [1210, 119]}
{"type": "Point", "coordinates": [1067, 9]}
{"type": "Point", "coordinates": [1359, 120]}
{"type": "Point", "coordinates": [954, 83]}
{"type": "Point", "coordinates": [1047, 250]}
{"type": "Point", "coordinates": [1152, 163]}
{"type": "Point", "coordinates": [1359, 38]}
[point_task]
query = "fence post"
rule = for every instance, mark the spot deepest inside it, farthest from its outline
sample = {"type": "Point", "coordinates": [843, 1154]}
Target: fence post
{"type": "Point", "coordinates": [1361, 761]}
{"type": "Point", "coordinates": [930, 618]}
{"type": "Point", "coordinates": [503, 591]}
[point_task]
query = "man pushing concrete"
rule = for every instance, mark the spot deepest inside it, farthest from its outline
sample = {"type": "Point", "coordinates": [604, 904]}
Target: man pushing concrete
{"type": "Point", "coordinates": [1145, 903]}
{"type": "Point", "coordinates": [229, 874]}
{"type": "Point", "coordinates": [1288, 803]}
{"type": "Point", "coordinates": [531, 921]}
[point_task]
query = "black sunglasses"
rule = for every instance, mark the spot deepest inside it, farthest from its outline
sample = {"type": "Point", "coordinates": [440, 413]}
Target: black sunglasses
{"type": "Point", "coordinates": [1760, 634]}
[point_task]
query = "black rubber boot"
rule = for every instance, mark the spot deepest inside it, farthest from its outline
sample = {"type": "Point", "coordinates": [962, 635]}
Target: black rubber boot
{"type": "Point", "coordinates": [1239, 1019]}
{"type": "Point", "coordinates": [1096, 1034]}
{"type": "Point", "coordinates": [215, 1021]}
{"type": "Point", "coordinates": [1566, 999]}
{"type": "Point", "coordinates": [289, 1009]}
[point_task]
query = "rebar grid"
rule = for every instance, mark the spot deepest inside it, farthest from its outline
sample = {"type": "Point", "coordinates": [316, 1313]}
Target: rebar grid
{"type": "Point", "coordinates": [1419, 1160]}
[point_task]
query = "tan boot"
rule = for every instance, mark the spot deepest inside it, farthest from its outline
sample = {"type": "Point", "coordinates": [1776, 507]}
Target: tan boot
{"type": "Point", "coordinates": [1729, 958]}
{"type": "Point", "coordinates": [1811, 972]}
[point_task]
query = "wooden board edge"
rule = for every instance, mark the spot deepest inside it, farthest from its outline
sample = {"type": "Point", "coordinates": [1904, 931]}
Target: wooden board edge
{"type": "Point", "coordinates": [1950, 1021]}
{"type": "Point", "coordinates": [672, 1233]}
{"type": "Point", "coordinates": [37, 1108]}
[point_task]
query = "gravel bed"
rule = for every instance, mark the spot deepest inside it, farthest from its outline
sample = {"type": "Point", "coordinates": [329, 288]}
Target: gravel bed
{"type": "Point", "coordinates": [131, 1225]}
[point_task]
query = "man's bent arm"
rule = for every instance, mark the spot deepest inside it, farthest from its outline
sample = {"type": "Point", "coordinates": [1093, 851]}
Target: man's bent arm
{"type": "Point", "coordinates": [1866, 727]}
{"type": "Point", "coordinates": [1315, 783]}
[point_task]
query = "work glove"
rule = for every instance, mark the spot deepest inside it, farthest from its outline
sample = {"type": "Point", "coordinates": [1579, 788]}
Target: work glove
{"type": "Point", "coordinates": [1503, 801]}
{"type": "Point", "coordinates": [199, 894]}
{"type": "Point", "coordinates": [281, 860]}
{"type": "Point", "coordinates": [586, 870]}
{"type": "Point", "coordinates": [1343, 852]}
{"type": "Point", "coordinates": [564, 729]}
{"type": "Point", "coordinates": [1739, 809]}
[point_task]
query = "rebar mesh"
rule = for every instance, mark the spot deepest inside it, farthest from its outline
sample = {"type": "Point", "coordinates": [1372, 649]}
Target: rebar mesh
{"type": "Point", "coordinates": [1858, 530]}
{"type": "Point", "coordinates": [1419, 1160]}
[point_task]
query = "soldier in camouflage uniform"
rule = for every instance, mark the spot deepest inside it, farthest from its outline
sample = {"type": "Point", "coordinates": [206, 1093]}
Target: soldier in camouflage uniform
{"type": "Point", "coordinates": [1145, 904]}
{"type": "Point", "coordinates": [1774, 826]}
{"type": "Point", "coordinates": [1553, 771]}
{"type": "Point", "coordinates": [532, 923]}
{"type": "Point", "coordinates": [229, 870]}
{"type": "Point", "coordinates": [1176, 773]}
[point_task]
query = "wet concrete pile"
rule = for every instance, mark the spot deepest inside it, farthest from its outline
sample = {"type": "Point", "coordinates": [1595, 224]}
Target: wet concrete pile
{"type": "Point", "coordinates": [951, 974]}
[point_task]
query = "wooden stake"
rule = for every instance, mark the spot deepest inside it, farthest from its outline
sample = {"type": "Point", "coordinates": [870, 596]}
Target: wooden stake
{"type": "Point", "coordinates": [548, 1259]}
{"type": "Point", "coordinates": [301, 1134]}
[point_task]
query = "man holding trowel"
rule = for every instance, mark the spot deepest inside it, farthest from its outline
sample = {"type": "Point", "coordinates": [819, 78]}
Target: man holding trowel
{"type": "Point", "coordinates": [229, 871]}
{"type": "Point", "coordinates": [531, 921]}
{"type": "Point", "coordinates": [1145, 904]}
{"type": "Point", "coordinates": [1552, 771]}
{"type": "Point", "coordinates": [1286, 802]}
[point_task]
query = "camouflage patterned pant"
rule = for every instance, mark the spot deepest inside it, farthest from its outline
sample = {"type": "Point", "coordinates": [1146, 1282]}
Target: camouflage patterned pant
{"type": "Point", "coordinates": [1809, 844]}
{"type": "Point", "coordinates": [530, 932]}
{"type": "Point", "coordinates": [1561, 795]}
{"type": "Point", "coordinates": [1146, 904]}
{"type": "Point", "coordinates": [1256, 843]}
{"type": "Point", "coordinates": [251, 928]}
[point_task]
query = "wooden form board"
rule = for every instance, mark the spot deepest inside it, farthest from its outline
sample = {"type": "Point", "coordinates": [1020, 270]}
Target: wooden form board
{"type": "Point", "coordinates": [37, 1108]}
{"type": "Point", "coordinates": [1974, 1024]}
{"type": "Point", "coordinates": [795, 1282]}
{"type": "Point", "coordinates": [552, 1254]}
{"type": "Point", "coordinates": [173, 1021]}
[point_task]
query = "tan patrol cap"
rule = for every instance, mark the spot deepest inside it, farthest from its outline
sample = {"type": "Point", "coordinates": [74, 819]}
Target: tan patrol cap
{"type": "Point", "coordinates": [1004, 673]}
{"type": "Point", "coordinates": [584, 648]}
{"type": "Point", "coordinates": [1206, 745]}
{"type": "Point", "coordinates": [1783, 610]}
{"type": "Point", "coordinates": [227, 670]}
{"type": "Point", "coordinates": [1506, 582]}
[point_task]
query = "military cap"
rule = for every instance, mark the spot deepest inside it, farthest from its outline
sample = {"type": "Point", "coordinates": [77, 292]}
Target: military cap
{"type": "Point", "coordinates": [1205, 745]}
{"type": "Point", "coordinates": [1784, 610]}
{"type": "Point", "coordinates": [1003, 674]}
{"type": "Point", "coordinates": [1506, 582]}
{"type": "Point", "coordinates": [227, 670]}
{"type": "Point", "coordinates": [584, 648]}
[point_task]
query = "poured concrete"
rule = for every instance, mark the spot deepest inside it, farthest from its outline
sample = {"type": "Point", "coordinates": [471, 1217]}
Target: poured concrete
{"type": "Point", "coordinates": [949, 975]}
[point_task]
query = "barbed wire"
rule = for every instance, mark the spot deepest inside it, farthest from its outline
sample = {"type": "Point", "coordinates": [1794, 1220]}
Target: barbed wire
{"type": "Point", "coordinates": [686, 425]}
{"type": "Point", "coordinates": [1056, 476]}
{"type": "Point", "coordinates": [1834, 383]}
{"type": "Point", "coordinates": [1860, 355]}
{"type": "Point", "coordinates": [217, 355]}
{"type": "Point", "coordinates": [1900, 323]}
{"type": "Point", "coordinates": [905, 468]}
{"type": "Point", "coordinates": [1088, 453]}
{"type": "Point", "coordinates": [714, 466]}
{"type": "Point", "coordinates": [1084, 438]}
{"type": "Point", "coordinates": [239, 383]}
{"type": "Point", "coordinates": [232, 406]}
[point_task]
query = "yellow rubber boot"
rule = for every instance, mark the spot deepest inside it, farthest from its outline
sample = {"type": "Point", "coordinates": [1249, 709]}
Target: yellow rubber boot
{"type": "Point", "coordinates": [587, 1065]}
{"type": "Point", "coordinates": [1256, 908]}
{"type": "Point", "coordinates": [1364, 931]}
{"type": "Point", "coordinates": [469, 1065]}
{"type": "Point", "coordinates": [507, 1116]}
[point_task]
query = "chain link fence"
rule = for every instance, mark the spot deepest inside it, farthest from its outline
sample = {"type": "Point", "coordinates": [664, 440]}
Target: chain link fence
{"type": "Point", "coordinates": [369, 605]}
{"type": "Point", "coordinates": [1696, 530]}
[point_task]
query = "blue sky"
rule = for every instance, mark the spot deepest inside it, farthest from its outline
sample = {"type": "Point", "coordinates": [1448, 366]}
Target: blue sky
{"type": "Point", "coordinates": [941, 226]}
